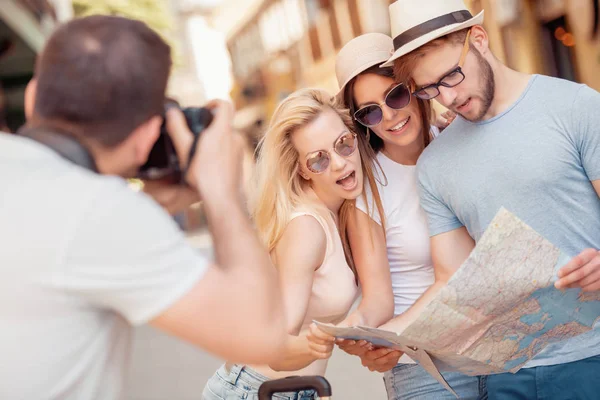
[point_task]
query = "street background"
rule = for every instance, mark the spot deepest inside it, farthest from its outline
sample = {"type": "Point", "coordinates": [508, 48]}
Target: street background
{"type": "Point", "coordinates": [254, 53]}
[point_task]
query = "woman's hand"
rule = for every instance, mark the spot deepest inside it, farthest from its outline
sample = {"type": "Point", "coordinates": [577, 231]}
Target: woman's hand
{"type": "Point", "coordinates": [444, 119]}
{"type": "Point", "coordinates": [355, 348]}
{"type": "Point", "coordinates": [378, 359]}
{"type": "Point", "coordinates": [381, 359]}
{"type": "Point", "coordinates": [319, 342]}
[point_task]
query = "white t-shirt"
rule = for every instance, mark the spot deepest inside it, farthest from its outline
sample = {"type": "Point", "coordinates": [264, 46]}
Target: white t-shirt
{"type": "Point", "coordinates": [406, 233]}
{"type": "Point", "coordinates": [83, 259]}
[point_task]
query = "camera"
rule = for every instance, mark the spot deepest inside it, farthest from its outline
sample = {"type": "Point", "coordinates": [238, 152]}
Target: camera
{"type": "Point", "coordinates": [163, 162]}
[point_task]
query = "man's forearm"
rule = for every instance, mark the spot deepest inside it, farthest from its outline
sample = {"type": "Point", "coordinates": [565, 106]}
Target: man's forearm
{"type": "Point", "coordinates": [240, 254]}
{"type": "Point", "coordinates": [402, 321]}
{"type": "Point", "coordinates": [234, 239]}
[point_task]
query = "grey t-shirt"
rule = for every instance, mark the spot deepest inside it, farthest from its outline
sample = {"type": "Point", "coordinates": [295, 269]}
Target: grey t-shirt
{"type": "Point", "coordinates": [537, 159]}
{"type": "Point", "coordinates": [83, 259]}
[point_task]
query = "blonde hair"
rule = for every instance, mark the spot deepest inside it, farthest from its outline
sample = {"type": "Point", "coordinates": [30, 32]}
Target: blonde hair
{"type": "Point", "coordinates": [278, 188]}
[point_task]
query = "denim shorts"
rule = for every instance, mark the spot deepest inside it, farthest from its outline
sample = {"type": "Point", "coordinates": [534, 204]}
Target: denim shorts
{"type": "Point", "coordinates": [412, 382]}
{"type": "Point", "coordinates": [241, 382]}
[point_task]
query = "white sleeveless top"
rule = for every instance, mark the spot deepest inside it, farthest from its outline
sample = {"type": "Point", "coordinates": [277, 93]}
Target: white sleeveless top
{"type": "Point", "coordinates": [406, 232]}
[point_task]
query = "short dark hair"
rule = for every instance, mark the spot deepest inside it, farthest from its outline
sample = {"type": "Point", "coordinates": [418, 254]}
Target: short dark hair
{"type": "Point", "coordinates": [375, 141]}
{"type": "Point", "coordinates": [102, 76]}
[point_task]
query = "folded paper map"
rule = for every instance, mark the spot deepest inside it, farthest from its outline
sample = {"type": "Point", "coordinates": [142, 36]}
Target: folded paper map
{"type": "Point", "coordinates": [497, 312]}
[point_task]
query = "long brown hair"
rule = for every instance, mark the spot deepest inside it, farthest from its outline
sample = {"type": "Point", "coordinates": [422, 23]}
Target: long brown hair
{"type": "Point", "coordinates": [375, 144]}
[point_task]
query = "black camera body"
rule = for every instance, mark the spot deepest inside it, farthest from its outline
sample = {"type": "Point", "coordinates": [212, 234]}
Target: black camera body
{"type": "Point", "coordinates": [163, 162]}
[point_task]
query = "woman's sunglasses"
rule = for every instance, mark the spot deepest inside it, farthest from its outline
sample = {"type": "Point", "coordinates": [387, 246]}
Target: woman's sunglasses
{"type": "Point", "coordinates": [372, 114]}
{"type": "Point", "coordinates": [318, 161]}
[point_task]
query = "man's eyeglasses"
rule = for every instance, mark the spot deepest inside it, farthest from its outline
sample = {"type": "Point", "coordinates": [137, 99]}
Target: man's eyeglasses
{"type": "Point", "coordinates": [318, 161]}
{"type": "Point", "coordinates": [451, 79]}
{"type": "Point", "coordinates": [372, 114]}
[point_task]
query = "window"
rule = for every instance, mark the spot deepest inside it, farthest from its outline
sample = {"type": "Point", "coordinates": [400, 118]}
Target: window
{"type": "Point", "coordinates": [558, 43]}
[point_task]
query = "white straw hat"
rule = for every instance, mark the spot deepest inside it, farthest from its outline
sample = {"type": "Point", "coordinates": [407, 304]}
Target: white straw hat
{"type": "Point", "coordinates": [416, 22]}
{"type": "Point", "coordinates": [360, 54]}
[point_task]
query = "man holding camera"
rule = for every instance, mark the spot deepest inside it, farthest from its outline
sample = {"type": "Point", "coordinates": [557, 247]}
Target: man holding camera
{"type": "Point", "coordinates": [84, 257]}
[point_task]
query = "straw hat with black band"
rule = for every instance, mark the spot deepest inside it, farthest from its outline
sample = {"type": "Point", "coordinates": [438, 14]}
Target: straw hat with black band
{"type": "Point", "coordinates": [416, 22]}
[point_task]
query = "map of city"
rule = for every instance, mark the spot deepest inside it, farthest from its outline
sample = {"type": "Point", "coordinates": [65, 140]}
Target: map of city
{"type": "Point", "coordinates": [497, 312]}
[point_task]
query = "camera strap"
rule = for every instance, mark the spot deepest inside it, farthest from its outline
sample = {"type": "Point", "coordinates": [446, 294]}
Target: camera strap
{"type": "Point", "coordinates": [191, 155]}
{"type": "Point", "coordinates": [63, 144]}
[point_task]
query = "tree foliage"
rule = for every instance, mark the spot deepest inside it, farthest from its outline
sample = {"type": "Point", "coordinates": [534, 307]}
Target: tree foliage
{"type": "Point", "coordinates": [155, 13]}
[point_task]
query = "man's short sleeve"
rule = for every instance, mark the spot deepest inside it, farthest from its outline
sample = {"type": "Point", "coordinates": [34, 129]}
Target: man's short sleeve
{"type": "Point", "coordinates": [129, 256]}
{"type": "Point", "coordinates": [586, 125]}
{"type": "Point", "coordinates": [439, 217]}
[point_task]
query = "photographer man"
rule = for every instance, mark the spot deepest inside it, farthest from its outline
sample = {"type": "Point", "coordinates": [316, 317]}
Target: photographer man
{"type": "Point", "coordinates": [84, 258]}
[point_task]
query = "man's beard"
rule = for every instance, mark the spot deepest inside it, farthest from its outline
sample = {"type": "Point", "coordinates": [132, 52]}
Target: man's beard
{"type": "Point", "coordinates": [488, 84]}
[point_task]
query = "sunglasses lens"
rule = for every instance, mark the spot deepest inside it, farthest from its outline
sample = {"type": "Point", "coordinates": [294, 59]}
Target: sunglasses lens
{"type": "Point", "coordinates": [317, 162]}
{"type": "Point", "coordinates": [369, 115]}
{"type": "Point", "coordinates": [346, 145]}
{"type": "Point", "coordinates": [398, 98]}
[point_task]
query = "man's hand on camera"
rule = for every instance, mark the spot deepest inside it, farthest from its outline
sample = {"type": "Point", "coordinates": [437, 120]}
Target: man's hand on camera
{"type": "Point", "coordinates": [216, 168]}
{"type": "Point", "coordinates": [173, 198]}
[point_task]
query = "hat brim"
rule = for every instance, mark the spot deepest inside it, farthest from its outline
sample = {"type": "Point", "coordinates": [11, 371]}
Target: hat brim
{"type": "Point", "coordinates": [415, 44]}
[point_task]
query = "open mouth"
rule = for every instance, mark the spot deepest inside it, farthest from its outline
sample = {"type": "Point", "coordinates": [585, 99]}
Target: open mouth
{"type": "Point", "coordinates": [400, 126]}
{"type": "Point", "coordinates": [348, 181]}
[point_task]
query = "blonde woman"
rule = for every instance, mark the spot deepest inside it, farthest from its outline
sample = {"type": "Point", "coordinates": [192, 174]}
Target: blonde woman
{"type": "Point", "coordinates": [308, 174]}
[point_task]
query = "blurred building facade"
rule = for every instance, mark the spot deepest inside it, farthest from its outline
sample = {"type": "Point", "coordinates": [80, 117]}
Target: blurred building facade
{"type": "Point", "coordinates": [282, 45]}
{"type": "Point", "coordinates": [24, 26]}
{"type": "Point", "coordinates": [202, 62]}
{"type": "Point", "coordinates": [200, 53]}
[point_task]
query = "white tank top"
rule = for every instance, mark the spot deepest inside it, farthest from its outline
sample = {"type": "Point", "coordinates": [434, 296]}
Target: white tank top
{"type": "Point", "coordinates": [407, 236]}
